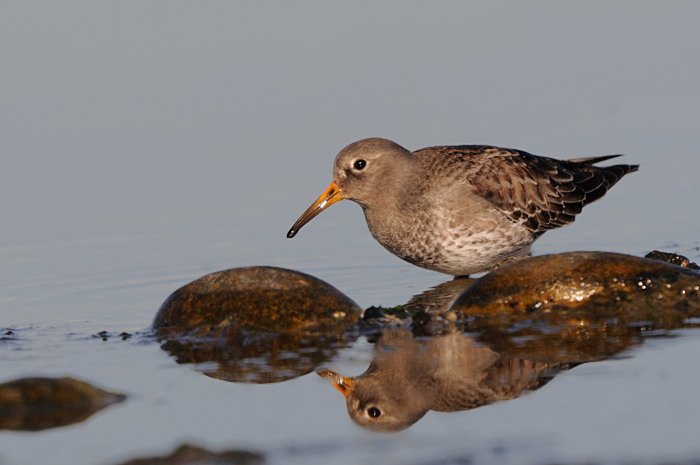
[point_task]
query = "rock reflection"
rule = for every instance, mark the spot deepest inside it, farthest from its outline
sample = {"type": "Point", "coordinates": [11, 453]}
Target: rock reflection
{"type": "Point", "coordinates": [410, 376]}
{"type": "Point", "coordinates": [256, 357]}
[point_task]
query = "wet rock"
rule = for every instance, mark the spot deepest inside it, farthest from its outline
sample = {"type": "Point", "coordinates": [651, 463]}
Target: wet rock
{"type": "Point", "coordinates": [260, 297]}
{"type": "Point", "coordinates": [257, 324]}
{"type": "Point", "coordinates": [106, 335]}
{"type": "Point", "coordinates": [385, 318]}
{"type": "Point", "coordinates": [572, 279]}
{"type": "Point", "coordinates": [373, 313]}
{"type": "Point", "coordinates": [673, 258]}
{"type": "Point", "coordinates": [421, 321]}
{"type": "Point", "coordinates": [33, 404]}
{"type": "Point", "coordinates": [578, 306]}
{"type": "Point", "coordinates": [187, 455]}
{"type": "Point", "coordinates": [433, 323]}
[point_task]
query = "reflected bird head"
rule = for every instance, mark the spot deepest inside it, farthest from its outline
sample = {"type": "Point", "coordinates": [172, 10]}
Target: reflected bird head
{"type": "Point", "coordinates": [377, 406]}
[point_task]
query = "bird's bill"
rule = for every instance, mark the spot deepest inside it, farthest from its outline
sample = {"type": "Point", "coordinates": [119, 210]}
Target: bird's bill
{"type": "Point", "coordinates": [331, 195]}
{"type": "Point", "coordinates": [341, 383]}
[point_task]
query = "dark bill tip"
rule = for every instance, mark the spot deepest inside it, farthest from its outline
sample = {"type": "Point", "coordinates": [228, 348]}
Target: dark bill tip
{"type": "Point", "coordinates": [332, 195]}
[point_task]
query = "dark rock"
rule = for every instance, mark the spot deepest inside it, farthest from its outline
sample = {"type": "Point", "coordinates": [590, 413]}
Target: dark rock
{"type": "Point", "coordinates": [105, 335]}
{"type": "Point", "coordinates": [673, 258]}
{"type": "Point", "coordinates": [373, 313]}
{"type": "Point", "coordinates": [33, 404]}
{"type": "Point", "coordinates": [421, 319]}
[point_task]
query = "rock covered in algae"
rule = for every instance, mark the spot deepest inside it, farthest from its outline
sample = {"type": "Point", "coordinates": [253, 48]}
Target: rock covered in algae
{"type": "Point", "coordinates": [259, 297]}
{"type": "Point", "coordinates": [33, 404]}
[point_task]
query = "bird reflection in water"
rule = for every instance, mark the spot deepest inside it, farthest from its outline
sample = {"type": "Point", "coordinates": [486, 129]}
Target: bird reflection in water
{"type": "Point", "coordinates": [410, 376]}
{"type": "Point", "coordinates": [513, 330]}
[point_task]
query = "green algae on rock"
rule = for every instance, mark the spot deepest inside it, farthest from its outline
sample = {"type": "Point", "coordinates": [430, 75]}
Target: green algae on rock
{"type": "Point", "coordinates": [34, 404]}
{"type": "Point", "coordinates": [259, 297]}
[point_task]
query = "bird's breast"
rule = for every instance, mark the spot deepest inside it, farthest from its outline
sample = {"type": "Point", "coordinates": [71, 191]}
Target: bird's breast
{"type": "Point", "coordinates": [439, 240]}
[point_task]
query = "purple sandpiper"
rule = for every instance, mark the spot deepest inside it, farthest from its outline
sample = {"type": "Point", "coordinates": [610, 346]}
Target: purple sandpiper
{"type": "Point", "coordinates": [461, 209]}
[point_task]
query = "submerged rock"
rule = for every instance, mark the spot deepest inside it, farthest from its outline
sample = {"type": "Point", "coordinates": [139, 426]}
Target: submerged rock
{"type": "Point", "coordinates": [187, 455]}
{"type": "Point", "coordinates": [33, 404]}
{"type": "Point", "coordinates": [259, 297]}
{"type": "Point", "coordinates": [257, 324]}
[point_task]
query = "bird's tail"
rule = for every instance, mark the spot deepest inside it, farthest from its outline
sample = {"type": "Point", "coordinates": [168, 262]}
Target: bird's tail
{"type": "Point", "coordinates": [593, 160]}
{"type": "Point", "coordinates": [621, 169]}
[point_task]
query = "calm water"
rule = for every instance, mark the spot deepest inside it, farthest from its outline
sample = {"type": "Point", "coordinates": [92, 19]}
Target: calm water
{"type": "Point", "coordinates": [146, 144]}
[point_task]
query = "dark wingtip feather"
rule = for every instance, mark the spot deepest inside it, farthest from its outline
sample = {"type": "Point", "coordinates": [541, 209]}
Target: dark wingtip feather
{"type": "Point", "coordinates": [593, 160]}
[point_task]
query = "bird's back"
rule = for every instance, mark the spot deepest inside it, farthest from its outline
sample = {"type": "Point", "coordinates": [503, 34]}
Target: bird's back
{"type": "Point", "coordinates": [541, 193]}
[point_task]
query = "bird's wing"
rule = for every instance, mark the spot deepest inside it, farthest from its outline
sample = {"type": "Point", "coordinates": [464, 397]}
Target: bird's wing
{"type": "Point", "coordinates": [539, 192]}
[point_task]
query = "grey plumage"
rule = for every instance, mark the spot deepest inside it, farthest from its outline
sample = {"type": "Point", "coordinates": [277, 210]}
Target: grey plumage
{"type": "Point", "coordinates": [461, 209]}
{"type": "Point", "coordinates": [538, 192]}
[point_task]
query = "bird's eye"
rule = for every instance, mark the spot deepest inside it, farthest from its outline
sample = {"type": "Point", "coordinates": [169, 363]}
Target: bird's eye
{"type": "Point", "coordinates": [374, 412]}
{"type": "Point", "coordinates": [359, 164]}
